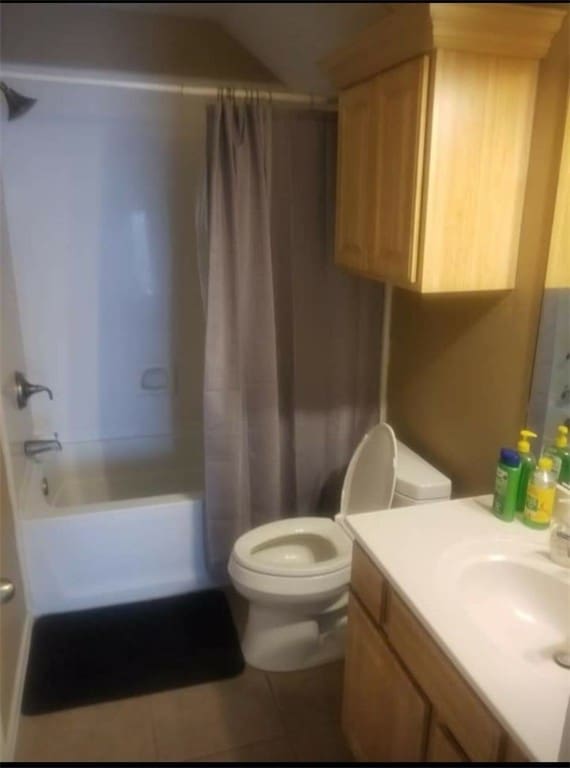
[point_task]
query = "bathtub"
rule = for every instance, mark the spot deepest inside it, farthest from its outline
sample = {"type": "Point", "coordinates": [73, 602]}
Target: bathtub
{"type": "Point", "coordinates": [98, 532]}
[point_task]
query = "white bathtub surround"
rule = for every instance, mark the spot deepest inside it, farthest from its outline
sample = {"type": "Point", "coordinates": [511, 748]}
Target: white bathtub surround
{"type": "Point", "coordinates": [106, 279]}
{"type": "Point", "coordinates": [493, 600]}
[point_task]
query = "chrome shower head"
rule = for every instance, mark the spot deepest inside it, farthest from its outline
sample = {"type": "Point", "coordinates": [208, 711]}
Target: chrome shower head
{"type": "Point", "coordinates": [17, 104]}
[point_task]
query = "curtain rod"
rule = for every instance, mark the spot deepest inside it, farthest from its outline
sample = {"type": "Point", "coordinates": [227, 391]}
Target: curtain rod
{"type": "Point", "coordinates": [180, 88]}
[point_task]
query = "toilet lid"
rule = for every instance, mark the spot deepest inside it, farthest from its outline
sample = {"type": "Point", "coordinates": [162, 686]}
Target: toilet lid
{"type": "Point", "coordinates": [296, 546]}
{"type": "Point", "coordinates": [371, 475]}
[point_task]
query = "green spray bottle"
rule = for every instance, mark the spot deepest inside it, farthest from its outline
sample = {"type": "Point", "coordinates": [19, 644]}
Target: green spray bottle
{"type": "Point", "coordinates": [528, 465]}
{"type": "Point", "coordinates": [506, 485]}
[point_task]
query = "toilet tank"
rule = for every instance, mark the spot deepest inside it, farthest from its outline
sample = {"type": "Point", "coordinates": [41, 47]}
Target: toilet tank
{"type": "Point", "coordinates": [417, 482]}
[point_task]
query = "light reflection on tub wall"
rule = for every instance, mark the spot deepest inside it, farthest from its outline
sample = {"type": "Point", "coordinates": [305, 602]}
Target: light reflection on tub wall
{"type": "Point", "coordinates": [100, 188]}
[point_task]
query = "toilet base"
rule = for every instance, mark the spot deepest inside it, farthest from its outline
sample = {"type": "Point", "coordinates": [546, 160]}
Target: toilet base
{"type": "Point", "coordinates": [284, 640]}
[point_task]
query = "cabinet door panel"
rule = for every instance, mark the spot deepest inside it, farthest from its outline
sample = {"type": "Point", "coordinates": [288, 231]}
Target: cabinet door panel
{"type": "Point", "coordinates": [481, 125]}
{"type": "Point", "coordinates": [368, 583]}
{"type": "Point", "coordinates": [462, 711]}
{"type": "Point", "coordinates": [355, 185]}
{"type": "Point", "coordinates": [384, 716]}
{"type": "Point", "coordinates": [558, 272]}
{"type": "Point", "coordinates": [442, 748]}
{"type": "Point", "coordinates": [402, 104]}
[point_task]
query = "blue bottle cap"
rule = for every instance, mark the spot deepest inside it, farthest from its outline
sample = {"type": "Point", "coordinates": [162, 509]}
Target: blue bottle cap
{"type": "Point", "coordinates": [510, 457]}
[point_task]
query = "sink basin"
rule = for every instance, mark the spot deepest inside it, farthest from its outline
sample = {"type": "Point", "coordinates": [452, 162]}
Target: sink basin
{"type": "Point", "coordinates": [519, 608]}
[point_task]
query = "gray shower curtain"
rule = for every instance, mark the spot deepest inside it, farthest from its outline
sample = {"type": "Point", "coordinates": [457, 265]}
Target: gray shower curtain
{"type": "Point", "coordinates": [292, 343]}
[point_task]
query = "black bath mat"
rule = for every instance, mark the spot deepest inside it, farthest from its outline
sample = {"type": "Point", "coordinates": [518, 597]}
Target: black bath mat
{"type": "Point", "coordinates": [102, 654]}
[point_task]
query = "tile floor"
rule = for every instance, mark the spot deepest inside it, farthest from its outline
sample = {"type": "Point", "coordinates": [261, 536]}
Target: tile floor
{"type": "Point", "coordinates": [256, 717]}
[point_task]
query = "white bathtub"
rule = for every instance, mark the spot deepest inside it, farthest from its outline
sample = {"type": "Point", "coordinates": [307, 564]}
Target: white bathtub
{"type": "Point", "coordinates": [109, 533]}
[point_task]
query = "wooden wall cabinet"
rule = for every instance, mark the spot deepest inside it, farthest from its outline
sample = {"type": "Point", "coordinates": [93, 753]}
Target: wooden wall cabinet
{"type": "Point", "coordinates": [433, 150]}
{"type": "Point", "coordinates": [431, 180]}
{"type": "Point", "coordinates": [558, 271]}
{"type": "Point", "coordinates": [403, 699]}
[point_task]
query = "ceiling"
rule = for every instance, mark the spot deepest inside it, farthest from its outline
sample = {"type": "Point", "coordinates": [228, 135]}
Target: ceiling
{"type": "Point", "coordinates": [289, 38]}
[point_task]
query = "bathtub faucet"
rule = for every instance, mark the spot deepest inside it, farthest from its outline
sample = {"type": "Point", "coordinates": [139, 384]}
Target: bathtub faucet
{"type": "Point", "coordinates": [33, 448]}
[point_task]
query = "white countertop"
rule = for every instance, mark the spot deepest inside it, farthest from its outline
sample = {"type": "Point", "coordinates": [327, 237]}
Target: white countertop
{"type": "Point", "coordinates": [424, 551]}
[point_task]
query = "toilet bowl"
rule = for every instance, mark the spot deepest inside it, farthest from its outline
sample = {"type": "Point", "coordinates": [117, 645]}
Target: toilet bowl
{"type": "Point", "coordinates": [295, 572]}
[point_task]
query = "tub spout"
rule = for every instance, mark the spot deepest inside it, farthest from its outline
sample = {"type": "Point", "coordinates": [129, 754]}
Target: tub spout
{"type": "Point", "coordinates": [33, 448]}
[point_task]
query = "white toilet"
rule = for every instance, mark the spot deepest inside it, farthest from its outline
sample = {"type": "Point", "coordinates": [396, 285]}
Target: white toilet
{"type": "Point", "coordinates": [295, 572]}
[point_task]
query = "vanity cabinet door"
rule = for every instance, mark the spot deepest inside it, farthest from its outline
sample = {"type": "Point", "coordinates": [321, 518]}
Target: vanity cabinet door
{"type": "Point", "coordinates": [442, 747]}
{"type": "Point", "coordinates": [467, 718]}
{"type": "Point", "coordinates": [368, 584]}
{"type": "Point", "coordinates": [384, 716]}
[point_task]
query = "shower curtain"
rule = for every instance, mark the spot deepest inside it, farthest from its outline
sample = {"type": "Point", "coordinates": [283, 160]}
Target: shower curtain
{"type": "Point", "coordinates": [292, 343]}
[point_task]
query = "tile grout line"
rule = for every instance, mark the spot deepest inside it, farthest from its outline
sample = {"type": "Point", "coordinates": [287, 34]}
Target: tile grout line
{"type": "Point", "coordinates": [286, 733]}
{"type": "Point", "coordinates": [201, 757]}
{"type": "Point", "coordinates": [275, 701]}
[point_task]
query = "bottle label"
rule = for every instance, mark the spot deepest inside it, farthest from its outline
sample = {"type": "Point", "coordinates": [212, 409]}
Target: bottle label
{"type": "Point", "coordinates": [501, 483]}
{"type": "Point", "coordinates": [539, 504]}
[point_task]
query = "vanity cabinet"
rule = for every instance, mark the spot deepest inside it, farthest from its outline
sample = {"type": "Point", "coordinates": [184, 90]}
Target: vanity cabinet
{"type": "Point", "coordinates": [403, 698]}
{"type": "Point", "coordinates": [442, 747]}
{"type": "Point", "coordinates": [383, 711]}
{"type": "Point", "coordinates": [433, 148]}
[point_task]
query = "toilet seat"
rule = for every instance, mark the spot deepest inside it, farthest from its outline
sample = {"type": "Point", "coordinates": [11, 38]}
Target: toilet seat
{"type": "Point", "coordinates": [294, 547]}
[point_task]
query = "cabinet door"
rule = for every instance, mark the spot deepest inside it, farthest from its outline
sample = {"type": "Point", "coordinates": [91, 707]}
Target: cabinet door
{"type": "Point", "coordinates": [355, 183]}
{"type": "Point", "coordinates": [558, 272]}
{"type": "Point", "coordinates": [402, 105]}
{"type": "Point", "coordinates": [442, 747]}
{"type": "Point", "coordinates": [384, 716]}
{"type": "Point", "coordinates": [476, 169]}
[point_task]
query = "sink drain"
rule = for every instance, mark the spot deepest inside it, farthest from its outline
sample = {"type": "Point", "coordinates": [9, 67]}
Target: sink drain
{"type": "Point", "coordinates": [562, 658]}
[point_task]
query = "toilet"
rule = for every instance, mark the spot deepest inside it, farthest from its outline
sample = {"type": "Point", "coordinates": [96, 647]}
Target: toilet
{"type": "Point", "coordinates": [295, 572]}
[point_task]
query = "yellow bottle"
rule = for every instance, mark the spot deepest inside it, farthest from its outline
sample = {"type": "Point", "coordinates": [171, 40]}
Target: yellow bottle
{"type": "Point", "coordinates": [540, 495]}
{"type": "Point", "coordinates": [528, 465]}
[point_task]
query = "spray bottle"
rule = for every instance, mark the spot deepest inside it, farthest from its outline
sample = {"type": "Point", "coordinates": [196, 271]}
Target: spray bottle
{"type": "Point", "coordinates": [559, 452]}
{"type": "Point", "coordinates": [540, 496]}
{"type": "Point", "coordinates": [528, 464]}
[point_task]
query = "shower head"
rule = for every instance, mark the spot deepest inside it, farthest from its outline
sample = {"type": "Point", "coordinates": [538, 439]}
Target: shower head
{"type": "Point", "coordinates": [17, 104]}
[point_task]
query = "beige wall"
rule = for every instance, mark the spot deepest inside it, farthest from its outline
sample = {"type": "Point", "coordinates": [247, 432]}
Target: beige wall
{"type": "Point", "coordinates": [460, 368]}
{"type": "Point", "coordinates": [81, 36]}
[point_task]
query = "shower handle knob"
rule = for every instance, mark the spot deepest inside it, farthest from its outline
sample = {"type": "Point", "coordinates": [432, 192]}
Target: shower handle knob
{"type": "Point", "coordinates": [24, 390]}
{"type": "Point", "coordinates": [7, 590]}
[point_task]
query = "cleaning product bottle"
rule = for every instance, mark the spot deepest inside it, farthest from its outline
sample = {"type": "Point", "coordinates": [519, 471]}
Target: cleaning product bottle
{"type": "Point", "coordinates": [560, 454]}
{"type": "Point", "coordinates": [506, 484]}
{"type": "Point", "coordinates": [528, 464]}
{"type": "Point", "coordinates": [540, 495]}
{"type": "Point", "coordinates": [560, 533]}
